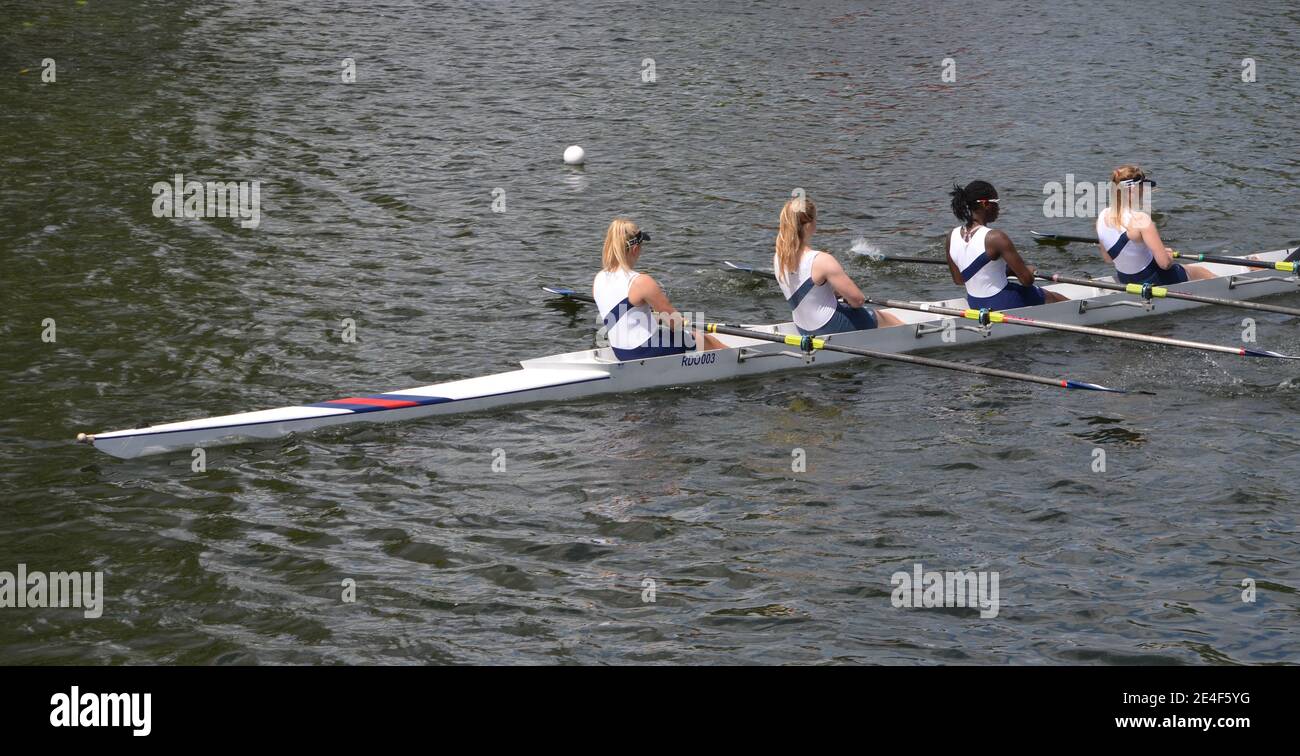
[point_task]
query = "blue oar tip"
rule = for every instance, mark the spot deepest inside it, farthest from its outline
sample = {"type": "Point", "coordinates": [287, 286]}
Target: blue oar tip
{"type": "Point", "coordinates": [1097, 387]}
{"type": "Point", "coordinates": [1266, 353]}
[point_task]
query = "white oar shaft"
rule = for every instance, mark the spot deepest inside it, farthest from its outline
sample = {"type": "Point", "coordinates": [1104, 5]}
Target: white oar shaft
{"type": "Point", "coordinates": [812, 343]}
{"type": "Point", "coordinates": [1008, 318]}
{"type": "Point", "coordinates": [1147, 291]}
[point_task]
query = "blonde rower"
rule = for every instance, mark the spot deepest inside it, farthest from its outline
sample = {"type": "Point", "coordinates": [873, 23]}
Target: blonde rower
{"type": "Point", "coordinates": [811, 280]}
{"type": "Point", "coordinates": [1128, 237]}
{"type": "Point", "coordinates": [639, 320]}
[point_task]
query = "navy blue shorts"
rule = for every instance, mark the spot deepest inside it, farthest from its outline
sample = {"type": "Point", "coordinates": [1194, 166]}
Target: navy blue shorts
{"type": "Point", "coordinates": [666, 345]}
{"type": "Point", "coordinates": [1154, 274]}
{"type": "Point", "coordinates": [1015, 295]}
{"type": "Point", "coordinates": [843, 320]}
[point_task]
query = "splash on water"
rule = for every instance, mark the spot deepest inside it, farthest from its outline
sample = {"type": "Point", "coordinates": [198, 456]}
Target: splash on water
{"type": "Point", "coordinates": [866, 249]}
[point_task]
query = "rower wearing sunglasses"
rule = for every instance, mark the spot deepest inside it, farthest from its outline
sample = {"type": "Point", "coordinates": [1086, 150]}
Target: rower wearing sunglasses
{"type": "Point", "coordinates": [980, 258]}
{"type": "Point", "coordinates": [639, 320]}
{"type": "Point", "coordinates": [1128, 237]}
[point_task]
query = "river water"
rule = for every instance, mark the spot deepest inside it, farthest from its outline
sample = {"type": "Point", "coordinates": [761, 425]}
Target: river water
{"type": "Point", "coordinates": [377, 205]}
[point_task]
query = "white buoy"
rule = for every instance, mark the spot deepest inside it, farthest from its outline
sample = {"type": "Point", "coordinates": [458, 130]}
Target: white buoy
{"type": "Point", "coordinates": [574, 155]}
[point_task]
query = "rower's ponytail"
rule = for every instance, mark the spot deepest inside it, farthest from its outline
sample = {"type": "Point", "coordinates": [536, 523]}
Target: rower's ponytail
{"type": "Point", "coordinates": [614, 255]}
{"type": "Point", "coordinates": [791, 235]}
{"type": "Point", "coordinates": [967, 199]}
{"type": "Point", "coordinates": [1121, 196]}
{"type": "Point", "coordinates": [960, 207]}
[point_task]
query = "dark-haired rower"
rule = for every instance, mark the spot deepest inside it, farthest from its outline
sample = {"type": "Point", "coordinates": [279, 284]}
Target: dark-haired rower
{"type": "Point", "coordinates": [980, 257]}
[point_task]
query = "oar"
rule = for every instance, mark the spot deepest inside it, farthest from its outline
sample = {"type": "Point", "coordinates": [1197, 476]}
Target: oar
{"type": "Point", "coordinates": [1147, 291]}
{"type": "Point", "coordinates": [1063, 238]}
{"type": "Point", "coordinates": [906, 259]}
{"type": "Point", "coordinates": [569, 294]}
{"type": "Point", "coordinates": [877, 257]}
{"type": "Point", "coordinates": [809, 343]}
{"type": "Point", "coordinates": [985, 317]}
{"type": "Point", "coordinates": [874, 257]}
{"type": "Point", "coordinates": [749, 269]}
{"type": "Point", "coordinates": [1288, 267]}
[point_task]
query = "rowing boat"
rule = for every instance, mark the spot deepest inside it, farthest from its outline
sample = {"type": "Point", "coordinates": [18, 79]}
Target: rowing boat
{"type": "Point", "coordinates": [592, 372]}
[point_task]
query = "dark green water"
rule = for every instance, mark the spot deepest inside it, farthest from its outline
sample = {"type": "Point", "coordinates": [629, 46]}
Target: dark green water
{"type": "Point", "coordinates": [376, 206]}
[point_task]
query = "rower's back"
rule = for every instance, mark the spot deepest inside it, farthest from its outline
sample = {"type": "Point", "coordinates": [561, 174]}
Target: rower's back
{"type": "Point", "coordinates": [628, 327]}
{"type": "Point", "coordinates": [811, 304]}
{"type": "Point", "coordinates": [1129, 253]}
{"type": "Point", "coordinates": [983, 277]}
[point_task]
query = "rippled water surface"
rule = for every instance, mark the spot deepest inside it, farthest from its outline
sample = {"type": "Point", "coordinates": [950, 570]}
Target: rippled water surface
{"type": "Point", "coordinates": [376, 202]}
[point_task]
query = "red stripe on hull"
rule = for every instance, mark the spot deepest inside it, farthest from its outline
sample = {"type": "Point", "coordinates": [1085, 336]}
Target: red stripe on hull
{"type": "Point", "coordinates": [374, 401]}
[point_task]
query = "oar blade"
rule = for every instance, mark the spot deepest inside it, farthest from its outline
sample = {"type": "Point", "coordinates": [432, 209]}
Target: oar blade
{"type": "Point", "coordinates": [1268, 353]}
{"type": "Point", "coordinates": [570, 294]}
{"type": "Point", "coordinates": [732, 267]}
{"type": "Point", "coordinates": [1062, 238]}
{"type": "Point", "coordinates": [1085, 386]}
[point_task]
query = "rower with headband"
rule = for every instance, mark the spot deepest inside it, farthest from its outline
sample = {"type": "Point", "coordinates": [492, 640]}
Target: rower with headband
{"type": "Point", "coordinates": [1129, 240]}
{"type": "Point", "coordinates": [639, 320]}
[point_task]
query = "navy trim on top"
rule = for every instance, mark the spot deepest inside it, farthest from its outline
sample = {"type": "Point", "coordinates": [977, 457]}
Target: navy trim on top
{"type": "Point", "coordinates": [616, 313]}
{"type": "Point", "coordinates": [976, 266]}
{"type": "Point", "coordinates": [798, 296]}
{"type": "Point", "coordinates": [1118, 246]}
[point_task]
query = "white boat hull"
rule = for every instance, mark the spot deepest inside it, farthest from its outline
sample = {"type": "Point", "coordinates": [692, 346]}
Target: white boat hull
{"type": "Point", "coordinates": [591, 372]}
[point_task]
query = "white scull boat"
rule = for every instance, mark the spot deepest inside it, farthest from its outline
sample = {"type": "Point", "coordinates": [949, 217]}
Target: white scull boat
{"type": "Point", "coordinates": [592, 372]}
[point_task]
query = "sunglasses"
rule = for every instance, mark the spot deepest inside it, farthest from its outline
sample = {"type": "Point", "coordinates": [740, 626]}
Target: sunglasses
{"type": "Point", "coordinates": [637, 238]}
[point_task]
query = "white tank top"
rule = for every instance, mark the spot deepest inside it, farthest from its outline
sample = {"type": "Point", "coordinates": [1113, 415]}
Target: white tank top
{"type": "Point", "coordinates": [811, 305]}
{"type": "Point", "coordinates": [627, 327]}
{"type": "Point", "coordinates": [1129, 255]}
{"type": "Point", "coordinates": [983, 277]}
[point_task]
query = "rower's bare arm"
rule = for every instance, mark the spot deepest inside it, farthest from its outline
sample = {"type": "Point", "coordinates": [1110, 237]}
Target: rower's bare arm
{"type": "Point", "coordinates": [646, 290]}
{"type": "Point", "coordinates": [1105, 254]}
{"type": "Point", "coordinates": [1151, 238]}
{"type": "Point", "coordinates": [833, 273]}
{"type": "Point", "coordinates": [998, 242]}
